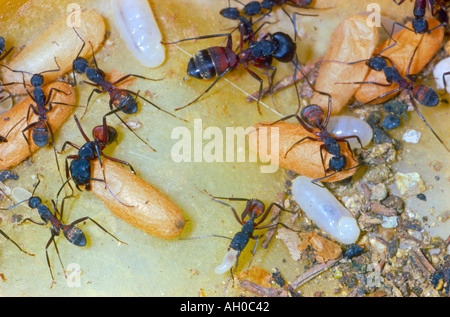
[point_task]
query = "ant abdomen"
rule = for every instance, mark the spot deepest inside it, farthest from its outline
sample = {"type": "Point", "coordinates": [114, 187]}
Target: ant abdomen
{"type": "Point", "coordinates": [125, 101]}
{"type": "Point", "coordinates": [40, 134]}
{"type": "Point", "coordinates": [286, 47]}
{"type": "Point", "coordinates": [211, 62]}
{"type": "Point", "coordinates": [313, 114]}
{"type": "Point", "coordinates": [98, 133]}
{"type": "Point", "coordinates": [426, 96]}
{"type": "Point", "coordinates": [74, 235]}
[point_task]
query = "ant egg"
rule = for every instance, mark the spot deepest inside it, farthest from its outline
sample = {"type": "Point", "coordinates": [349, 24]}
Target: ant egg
{"type": "Point", "coordinates": [347, 125]}
{"type": "Point", "coordinates": [227, 263]}
{"type": "Point", "coordinates": [325, 210]}
{"type": "Point", "coordinates": [138, 27]}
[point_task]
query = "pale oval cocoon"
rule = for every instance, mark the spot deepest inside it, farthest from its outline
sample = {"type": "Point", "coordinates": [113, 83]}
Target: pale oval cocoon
{"type": "Point", "coordinates": [325, 210]}
{"type": "Point", "coordinates": [303, 159]}
{"type": "Point", "coordinates": [400, 55]}
{"type": "Point", "coordinates": [352, 40]}
{"type": "Point", "coordinates": [16, 149]}
{"type": "Point", "coordinates": [58, 41]}
{"type": "Point", "coordinates": [150, 210]}
{"type": "Point", "coordinates": [438, 72]}
{"type": "Point", "coordinates": [139, 30]}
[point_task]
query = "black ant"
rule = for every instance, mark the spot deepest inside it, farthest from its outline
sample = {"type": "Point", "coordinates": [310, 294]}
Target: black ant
{"type": "Point", "coordinates": [256, 212]}
{"type": "Point", "coordinates": [80, 166]}
{"type": "Point", "coordinates": [312, 119]}
{"type": "Point", "coordinates": [216, 61]}
{"type": "Point", "coordinates": [422, 93]}
{"type": "Point", "coordinates": [41, 131]}
{"type": "Point", "coordinates": [420, 23]}
{"type": "Point", "coordinates": [71, 232]}
{"type": "Point", "coordinates": [122, 99]}
{"type": "Point", "coordinates": [254, 8]}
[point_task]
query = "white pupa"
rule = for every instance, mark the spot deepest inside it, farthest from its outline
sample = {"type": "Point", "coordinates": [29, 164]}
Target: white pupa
{"type": "Point", "coordinates": [138, 27]}
{"type": "Point", "coordinates": [228, 261]}
{"type": "Point", "coordinates": [347, 125]}
{"type": "Point", "coordinates": [325, 210]}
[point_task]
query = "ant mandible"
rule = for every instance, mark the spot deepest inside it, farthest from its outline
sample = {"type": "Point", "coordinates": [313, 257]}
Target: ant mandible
{"type": "Point", "coordinates": [71, 232]}
{"type": "Point", "coordinates": [216, 61]}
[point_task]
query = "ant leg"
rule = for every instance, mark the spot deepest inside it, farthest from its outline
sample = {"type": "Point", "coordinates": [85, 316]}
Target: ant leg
{"type": "Point", "coordinates": [266, 213]}
{"type": "Point", "coordinates": [98, 225]}
{"type": "Point", "coordinates": [228, 35]}
{"type": "Point", "coordinates": [7, 53]}
{"type": "Point", "coordinates": [81, 129]}
{"type": "Point", "coordinates": [298, 142]}
{"type": "Point", "coordinates": [8, 238]}
{"type": "Point", "coordinates": [217, 199]}
{"type": "Point", "coordinates": [50, 241]}
{"type": "Point", "coordinates": [151, 103]}
{"type": "Point", "coordinates": [254, 75]}
{"type": "Point", "coordinates": [54, 149]}
{"type": "Point", "coordinates": [109, 189]}
{"type": "Point", "coordinates": [114, 111]}
{"type": "Point", "coordinates": [98, 91]}
{"type": "Point", "coordinates": [120, 161]}
{"type": "Point", "coordinates": [424, 120]}
{"type": "Point", "coordinates": [215, 81]}
{"type": "Point", "coordinates": [382, 96]}
{"type": "Point", "coordinates": [134, 75]}
{"type": "Point", "coordinates": [271, 79]}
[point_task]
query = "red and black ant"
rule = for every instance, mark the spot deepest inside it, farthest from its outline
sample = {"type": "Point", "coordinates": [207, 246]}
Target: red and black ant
{"type": "Point", "coordinates": [216, 61]}
{"type": "Point", "coordinates": [41, 131]}
{"type": "Point", "coordinates": [80, 166]}
{"type": "Point", "coordinates": [71, 232]}
{"type": "Point", "coordinates": [312, 119]}
{"type": "Point", "coordinates": [122, 99]}
{"type": "Point", "coordinates": [256, 212]}
{"type": "Point", "coordinates": [254, 8]}
{"type": "Point", "coordinates": [422, 93]}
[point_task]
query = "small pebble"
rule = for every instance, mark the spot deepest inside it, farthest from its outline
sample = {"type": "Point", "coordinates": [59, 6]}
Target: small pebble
{"type": "Point", "coordinates": [411, 136]}
{"type": "Point", "coordinates": [409, 184]}
{"type": "Point", "coordinates": [374, 118]}
{"type": "Point", "coordinates": [381, 136]}
{"type": "Point", "coordinates": [390, 222]}
{"type": "Point", "coordinates": [394, 202]}
{"type": "Point", "coordinates": [391, 121]}
{"type": "Point", "coordinates": [395, 107]}
{"type": "Point", "coordinates": [422, 197]}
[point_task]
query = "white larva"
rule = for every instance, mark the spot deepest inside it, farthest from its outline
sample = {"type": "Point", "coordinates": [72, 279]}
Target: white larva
{"type": "Point", "coordinates": [228, 261]}
{"type": "Point", "coordinates": [138, 27]}
{"type": "Point", "coordinates": [325, 210]}
{"type": "Point", "coordinates": [347, 125]}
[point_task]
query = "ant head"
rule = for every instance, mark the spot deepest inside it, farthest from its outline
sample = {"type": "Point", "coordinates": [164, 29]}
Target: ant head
{"type": "Point", "coordinates": [420, 25]}
{"type": "Point", "coordinates": [426, 95]}
{"type": "Point", "coordinates": [34, 202]}
{"type": "Point", "coordinates": [268, 4]}
{"type": "Point", "coordinates": [254, 209]}
{"type": "Point", "coordinates": [337, 163]}
{"type": "Point", "coordinates": [314, 115]}
{"type": "Point", "coordinates": [99, 134]}
{"type": "Point", "coordinates": [2, 44]}
{"type": "Point", "coordinates": [377, 63]}
{"type": "Point", "coordinates": [80, 64]}
{"type": "Point", "coordinates": [37, 80]}
{"type": "Point", "coordinates": [286, 48]}
{"type": "Point", "coordinates": [95, 75]}
{"type": "Point", "coordinates": [252, 8]}
{"type": "Point", "coordinates": [74, 235]}
{"type": "Point", "coordinates": [230, 13]}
